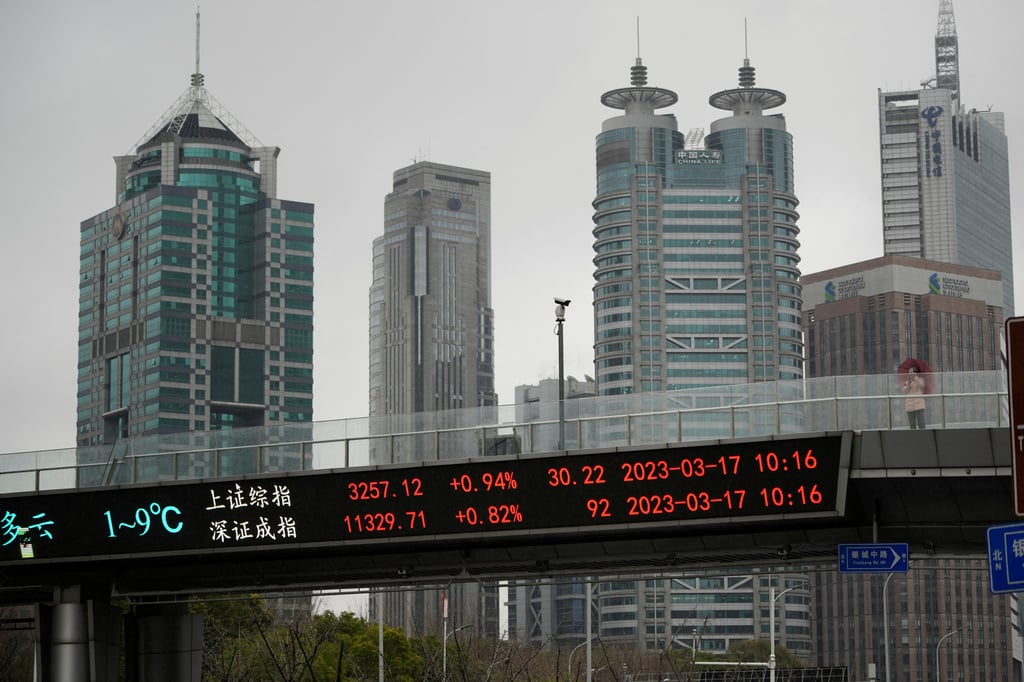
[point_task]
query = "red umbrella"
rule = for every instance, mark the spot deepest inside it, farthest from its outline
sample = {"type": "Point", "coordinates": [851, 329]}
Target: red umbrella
{"type": "Point", "coordinates": [922, 368]}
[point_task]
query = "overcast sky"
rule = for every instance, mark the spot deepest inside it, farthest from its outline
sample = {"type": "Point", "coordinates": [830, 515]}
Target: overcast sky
{"type": "Point", "coordinates": [352, 91]}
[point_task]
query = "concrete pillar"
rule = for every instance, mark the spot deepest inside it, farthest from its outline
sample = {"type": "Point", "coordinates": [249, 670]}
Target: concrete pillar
{"type": "Point", "coordinates": [69, 643]}
{"type": "Point", "coordinates": [77, 640]}
{"type": "Point", "coordinates": [165, 644]}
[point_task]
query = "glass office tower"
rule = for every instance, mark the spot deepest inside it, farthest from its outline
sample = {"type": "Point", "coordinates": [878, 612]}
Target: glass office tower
{"type": "Point", "coordinates": [696, 285]}
{"type": "Point", "coordinates": [945, 171]}
{"type": "Point", "coordinates": [696, 265]}
{"type": "Point", "coordinates": [196, 287]}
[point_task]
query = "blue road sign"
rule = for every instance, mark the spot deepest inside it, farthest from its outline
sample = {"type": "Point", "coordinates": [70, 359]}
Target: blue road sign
{"type": "Point", "coordinates": [874, 557]}
{"type": "Point", "coordinates": [1006, 557]}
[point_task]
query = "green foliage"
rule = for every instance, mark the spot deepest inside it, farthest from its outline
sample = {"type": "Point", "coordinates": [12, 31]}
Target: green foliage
{"type": "Point", "coordinates": [759, 650]}
{"type": "Point", "coordinates": [244, 642]}
{"type": "Point", "coordinates": [351, 642]}
{"type": "Point", "coordinates": [231, 646]}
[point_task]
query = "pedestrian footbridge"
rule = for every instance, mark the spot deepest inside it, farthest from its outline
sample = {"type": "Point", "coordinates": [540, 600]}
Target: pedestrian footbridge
{"type": "Point", "coordinates": [746, 475]}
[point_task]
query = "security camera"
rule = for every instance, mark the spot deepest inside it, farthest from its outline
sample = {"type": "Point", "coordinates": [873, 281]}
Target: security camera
{"type": "Point", "coordinates": [560, 305]}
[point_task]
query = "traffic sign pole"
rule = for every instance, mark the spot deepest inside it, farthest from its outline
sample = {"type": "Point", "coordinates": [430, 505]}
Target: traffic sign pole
{"type": "Point", "coordinates": [1015, 392]}
{"type": "Point", "coordinates": [875, 557]}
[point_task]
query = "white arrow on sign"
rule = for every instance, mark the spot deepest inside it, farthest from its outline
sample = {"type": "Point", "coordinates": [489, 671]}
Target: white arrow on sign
{"type": "Point", "coordinates": [895, 560]}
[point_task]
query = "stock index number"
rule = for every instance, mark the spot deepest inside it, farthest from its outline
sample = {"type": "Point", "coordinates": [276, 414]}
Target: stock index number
{"type": "Point", "coordinates": [589, 474]}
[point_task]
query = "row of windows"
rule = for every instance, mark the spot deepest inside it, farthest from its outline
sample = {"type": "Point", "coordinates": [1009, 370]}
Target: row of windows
{"type": "Point", "coordinates": [211, 153]}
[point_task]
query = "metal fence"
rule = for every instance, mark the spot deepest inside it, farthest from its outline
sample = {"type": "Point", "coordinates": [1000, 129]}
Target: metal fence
{"type": "Point", "coordinates": [859, 403]}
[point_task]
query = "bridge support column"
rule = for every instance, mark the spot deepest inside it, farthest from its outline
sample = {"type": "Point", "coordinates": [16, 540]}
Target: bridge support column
{"type": "Point", "coordinates": [77, 640]}
{"type": "Point", "coordinates": [165, 643]}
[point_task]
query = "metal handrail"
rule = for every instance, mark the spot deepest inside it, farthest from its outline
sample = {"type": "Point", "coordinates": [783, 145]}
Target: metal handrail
{"type": "Point", "coordinates": [658, 418]}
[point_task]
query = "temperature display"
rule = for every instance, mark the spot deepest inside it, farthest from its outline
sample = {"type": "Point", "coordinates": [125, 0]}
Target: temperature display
{"type": "Point", "coordinates": [588, 495]}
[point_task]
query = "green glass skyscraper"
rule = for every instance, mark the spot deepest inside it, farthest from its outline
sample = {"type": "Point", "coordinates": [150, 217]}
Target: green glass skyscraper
{"type": "Point", "coordinates": [196, 287]}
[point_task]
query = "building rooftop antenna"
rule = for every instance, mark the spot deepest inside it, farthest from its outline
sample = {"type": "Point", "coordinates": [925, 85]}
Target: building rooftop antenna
{"type": "Point", "coordinates": [196, 98]}
{"type": "Point", "coordinates": [947, 51]}
{"type": "Point", "coordinates": [197, 76]}
{"type": "Point", "coordinates": [747, 98]}
{"type": "Point", "coordinates": [638, 39]}
{"type": "Point", "coordinates": [746, 52]}
{"type": "Point", "coordinates": [639, 97]}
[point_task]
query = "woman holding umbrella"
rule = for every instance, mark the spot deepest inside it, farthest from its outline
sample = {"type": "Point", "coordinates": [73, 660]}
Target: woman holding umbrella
{"type": "Point", "coordinates": [915, 385]}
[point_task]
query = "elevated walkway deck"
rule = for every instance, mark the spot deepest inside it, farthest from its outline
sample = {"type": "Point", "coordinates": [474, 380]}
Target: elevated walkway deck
{"type": "Point", "coordinates": [962, 400]}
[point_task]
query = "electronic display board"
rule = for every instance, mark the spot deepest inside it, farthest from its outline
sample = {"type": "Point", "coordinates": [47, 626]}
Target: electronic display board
{"type": "Point", "coordinates": [587, 494]}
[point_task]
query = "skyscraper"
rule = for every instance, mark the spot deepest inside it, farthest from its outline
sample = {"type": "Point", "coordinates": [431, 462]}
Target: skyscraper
{"type": "Point", "coordinates": [432, 345]}
{"type": "Point", "coordinates": [431, 322]}
{"type": "Point", "coordinates": [196, 287]}
{"type": "Point", "coordinates": [945, 171]}
{"type": "Point", "coordinates": [697, 277]}
{"type": "Point", "coordinates": [696, 285]}
{"type": "Point", "coordinates": [868, 317]}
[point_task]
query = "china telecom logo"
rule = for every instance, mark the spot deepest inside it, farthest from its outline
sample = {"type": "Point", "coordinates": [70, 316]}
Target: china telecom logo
{"type": "Point", "coordinates": [934, 286]}
{"type": "Point", "coordinates": [931, 114]}
{"type": "Point", "coordinates": [830, 291]}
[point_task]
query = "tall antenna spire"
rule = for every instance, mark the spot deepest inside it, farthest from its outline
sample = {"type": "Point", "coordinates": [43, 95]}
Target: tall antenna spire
{"type": "Point", "coordinates": [194, 100]}
{"type": "Point", "coordinates": [747, 98]}
{"type": "Point", "coordinates": [638, 37]}
{"type": "Point", "coordinates": [947, 51]}
{"type": "Point", "coordinates": [747, 78]}
{"type": "Point", "coordinates": [197, 76]}
{"type": "Point", "coordinates": [638, 73]}
{"type": "Point", "coordinates": [638, 97]}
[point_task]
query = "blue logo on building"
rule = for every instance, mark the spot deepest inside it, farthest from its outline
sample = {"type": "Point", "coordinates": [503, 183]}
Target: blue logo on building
{"type": "Point", "coordinates": [931, 114]}
{"type": "Point", "coordinates": [830, 291]}
{"type": "Point", "coordinates": [934, 286]}
{"type": "Point", "coordinates": [932, 149]}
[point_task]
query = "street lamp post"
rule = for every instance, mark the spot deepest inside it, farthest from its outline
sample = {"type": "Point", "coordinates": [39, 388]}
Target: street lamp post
{"type": "Point", "coordinates": [444, 650]}
{"type": "Point", "coordinates": [569, 667]}
{"type": "Point", "coordinates": [560, 305]}
{"type": "Point", "coordinates": [771, 625]}
{"type": "Point", "coordinates": [885, 624]}
{"type": "Point", "coordinates": [943, 639]}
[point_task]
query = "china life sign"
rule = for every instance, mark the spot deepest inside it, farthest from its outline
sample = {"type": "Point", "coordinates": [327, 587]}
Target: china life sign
{"type": "Point", "coordinates": [699, 157]}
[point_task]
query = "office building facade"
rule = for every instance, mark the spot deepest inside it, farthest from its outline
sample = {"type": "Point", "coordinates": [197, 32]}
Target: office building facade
{"type": "Point", "coordinates": [695, 240]}
{"type": "Point", "coordinates": [697, 284]}
{"type": "Point", "coordinates": [940, 613]}
{"type": "Point", "coordinates": [196, 286]}
{"type": "Point", "coordinates": [945, 171]}
{"type": "Point", "coordinates": [432, 347]}
{"type": "Point", "coordinates": [431, 321]}
{"type": "Point", "coordinates": [868, 317]}
{"type": "Point", "coordinates": [547, 613]}
{"type": "Point", "coordinates": [945, 199]}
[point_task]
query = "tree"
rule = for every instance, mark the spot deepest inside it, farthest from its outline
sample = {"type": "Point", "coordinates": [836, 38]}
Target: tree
{"type": "Point", "coordinates": [349, 651]}
{"type": "Point", "coordinates": [759, 650]}
{"type": "Point", "coordinates": [16, 643]}
{"type": "Point", "coordinates": [231, 648]}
